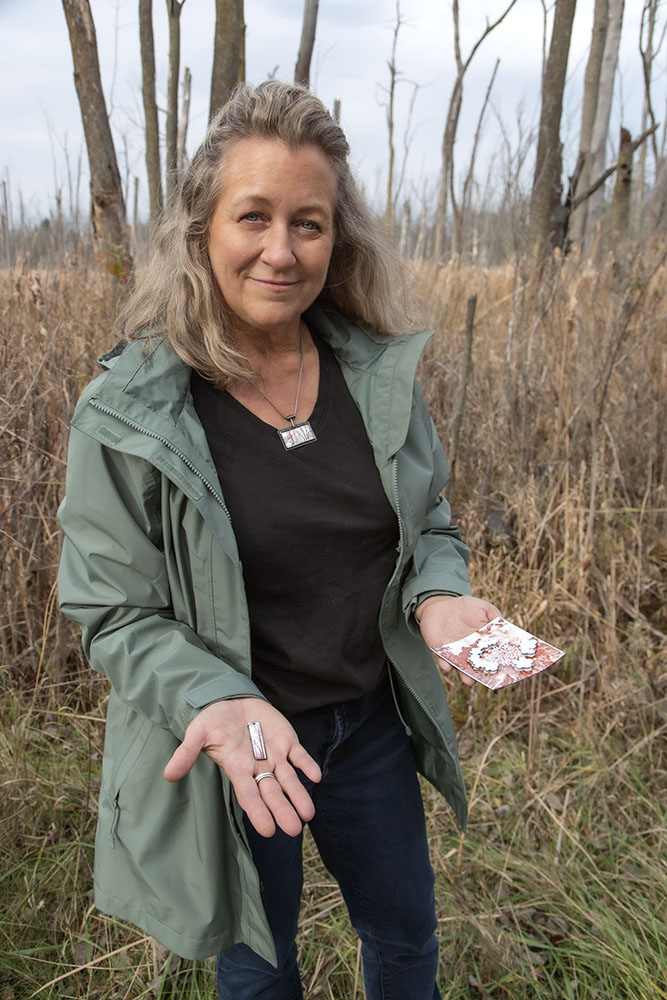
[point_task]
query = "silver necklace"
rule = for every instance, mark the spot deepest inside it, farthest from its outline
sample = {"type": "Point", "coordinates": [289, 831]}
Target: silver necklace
{"type": "Point", "coordinates": [295, 435]}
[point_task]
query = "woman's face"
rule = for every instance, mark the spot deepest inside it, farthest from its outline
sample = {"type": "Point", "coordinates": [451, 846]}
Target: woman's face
{"type": "Point", "coordinates": [272, 233]}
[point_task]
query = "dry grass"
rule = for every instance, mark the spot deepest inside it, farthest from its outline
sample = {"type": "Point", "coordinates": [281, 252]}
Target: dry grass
{"type": "Point", "coordinates": [558, 889]}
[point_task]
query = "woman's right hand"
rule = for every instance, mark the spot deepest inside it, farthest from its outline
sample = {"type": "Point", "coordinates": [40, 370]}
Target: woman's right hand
{"type": "Point", "coordinates": [221, 732]}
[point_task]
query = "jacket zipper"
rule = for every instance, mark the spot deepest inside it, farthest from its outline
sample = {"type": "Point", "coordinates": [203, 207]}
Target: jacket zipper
{"type": "Point", "coordinates": [167, 443]}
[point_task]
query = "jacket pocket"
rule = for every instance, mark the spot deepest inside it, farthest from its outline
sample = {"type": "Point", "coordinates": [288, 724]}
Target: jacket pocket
{"type": "Point", "coordinates": [123, 767]}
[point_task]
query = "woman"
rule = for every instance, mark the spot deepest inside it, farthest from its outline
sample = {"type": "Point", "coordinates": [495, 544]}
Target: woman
{"type": "Point", "coordinates": [259, 557]}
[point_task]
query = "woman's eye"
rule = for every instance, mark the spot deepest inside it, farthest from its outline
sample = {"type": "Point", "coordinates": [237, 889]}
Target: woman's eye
{"type": "Point", "coordinates": [308, 224]}
{"type": "Point", "coordinates": [252, 216]}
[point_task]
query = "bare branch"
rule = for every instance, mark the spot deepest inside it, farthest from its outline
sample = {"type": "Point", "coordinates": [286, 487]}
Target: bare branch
{"type": "Point", "coordinates": [451, 124]}
{"type": "Point", "coordinates": [647, 54]}
{"type": "Point", "coordinates": [610, 170]}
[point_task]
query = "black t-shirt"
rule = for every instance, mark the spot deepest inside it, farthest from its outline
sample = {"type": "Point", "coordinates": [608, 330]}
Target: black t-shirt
{"type": "Point", "coordinates": [317, 539]}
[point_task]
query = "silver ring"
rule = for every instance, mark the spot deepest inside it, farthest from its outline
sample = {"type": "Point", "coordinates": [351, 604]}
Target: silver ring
{"type": "Point", "coordinates": [257, 740]}
{"type": "Point", "coordinates": [264, 774]}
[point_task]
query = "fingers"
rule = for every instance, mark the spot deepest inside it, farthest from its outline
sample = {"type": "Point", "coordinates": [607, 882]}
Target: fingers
{"type": "Point", "coordinates": [443, 665]}
{"type": "Point", "coordinates": [300, 758]}
{"type": "Point", "coordinates": [182, 759]}
{"type": "Point", "coordinates": [465, 679]}
{"type": "Point", "coordinates": [272, 792]}
{"type": "Point", "coordinates": [250, 800]}
{"type": "Point", "coordinates": [447, 669]}
{"type": "Point", "coordinates": [280, 800]}
{"type": "Point", "coordinates": [293, 789]}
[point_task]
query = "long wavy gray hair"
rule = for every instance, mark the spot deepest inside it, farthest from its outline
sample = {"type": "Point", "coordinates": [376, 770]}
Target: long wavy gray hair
{"type": "Point", "coordinates": [176, 294]}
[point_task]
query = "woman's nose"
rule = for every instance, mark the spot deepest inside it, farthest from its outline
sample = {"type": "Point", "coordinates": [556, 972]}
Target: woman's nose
{"type": "Point", "coordinates": [278, 251]}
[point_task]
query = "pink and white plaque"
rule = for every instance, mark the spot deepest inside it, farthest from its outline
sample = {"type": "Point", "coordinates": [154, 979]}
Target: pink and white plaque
{"type": "Point", "coordinates": [499, 653]}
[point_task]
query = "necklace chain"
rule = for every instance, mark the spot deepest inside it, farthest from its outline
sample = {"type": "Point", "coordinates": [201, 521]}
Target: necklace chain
{"type": "Point", "coordinates": [291, 417]}
{"type": "Point", "coordinates": [294, 435]}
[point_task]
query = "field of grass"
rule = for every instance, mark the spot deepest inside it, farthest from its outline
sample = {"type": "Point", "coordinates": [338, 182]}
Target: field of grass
{"type": "Point", "coordinates": [558, 890]}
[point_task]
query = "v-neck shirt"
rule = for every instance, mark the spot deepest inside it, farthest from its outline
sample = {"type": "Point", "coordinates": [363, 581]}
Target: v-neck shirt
{"type": "Point", "coordinates": [317, 539]}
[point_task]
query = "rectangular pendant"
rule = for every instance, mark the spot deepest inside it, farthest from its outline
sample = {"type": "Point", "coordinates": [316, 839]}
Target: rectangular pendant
{"type": "Point", "coordinates": [257, 741]}
{"type": "Point", "coordinates": [299, 434]}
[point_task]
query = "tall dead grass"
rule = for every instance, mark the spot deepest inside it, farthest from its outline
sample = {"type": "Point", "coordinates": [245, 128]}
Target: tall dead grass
{"type": "Point", "coordinates": [564, 438]}
{"type": "Point", "coordinates": [560, 487]}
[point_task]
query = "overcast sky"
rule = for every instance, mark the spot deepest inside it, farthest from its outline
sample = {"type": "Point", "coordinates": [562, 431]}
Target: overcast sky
{"type": "Point", "coordinates": [41, 124]}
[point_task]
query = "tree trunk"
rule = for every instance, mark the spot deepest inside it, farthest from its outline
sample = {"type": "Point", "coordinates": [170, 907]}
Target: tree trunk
{"type": "Point", "coordinates": [107, 204]}
{"type": "Point", "coordinates": [603, 112]}
{"type": "Point", "coordinates": [6, 226]}
{"type": "Point", "coordinates": [393, 73]}
{"type": "Point", "coordinates": [404, 232]}
{"type": "Point", "coordinates": [545, 196]}
{"type": "Point", "coordinates": [302, 68]}
{"type": "Point", "coordinates": [648, 23]}
{"type": "Point", "coordinates": [460, 212]}
{"type": "Point", "coordinates": [656, 210]}
{"type": "Point", "coordinates": [153, 169]}
{"type": "Point", "coordinates": [183, 122]}
{"type": "Point", "coordinates": [135, 216]}
{"type": "Point", "coordinates": [420, 243]}
{"type": "Point", "coordinates": [174, 8]}
{"type": "Point", "coordinates": [589, 107]}
{"type": "Point", "coordinates": [622, 189]}
{"type": "Point", "coordinates": [228, 49]}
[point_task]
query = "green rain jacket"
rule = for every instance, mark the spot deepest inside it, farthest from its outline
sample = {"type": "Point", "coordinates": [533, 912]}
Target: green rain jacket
{"type": "Point", "coordinates": [150, 571]}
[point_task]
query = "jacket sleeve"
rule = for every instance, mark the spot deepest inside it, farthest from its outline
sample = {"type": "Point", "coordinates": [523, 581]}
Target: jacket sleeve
{"type": "Point", "coordinates": [113, 582]}
{"type": "Point", "coordinates": [440, 559]}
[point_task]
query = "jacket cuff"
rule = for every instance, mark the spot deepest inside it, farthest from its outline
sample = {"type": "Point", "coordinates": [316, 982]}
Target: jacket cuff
{"type": "Point", "coordinates": [422, 587]}
{"type": "Point", "coordinates": [234, 685]}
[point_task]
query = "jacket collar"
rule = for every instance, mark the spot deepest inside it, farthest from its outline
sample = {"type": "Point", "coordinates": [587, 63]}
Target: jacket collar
{"type": "Point", "coordinates": [146, 387]}
{"type": "Point", "coordinates": [141, 405]}
{"type": "Point", "coordinates": [379, 369]}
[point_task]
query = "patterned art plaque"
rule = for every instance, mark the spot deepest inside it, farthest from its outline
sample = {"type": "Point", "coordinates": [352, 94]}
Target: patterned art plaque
{"type": "Point", "coordinates": [297, 435]}
{"type": "Point", "coordinates": [499, 653]}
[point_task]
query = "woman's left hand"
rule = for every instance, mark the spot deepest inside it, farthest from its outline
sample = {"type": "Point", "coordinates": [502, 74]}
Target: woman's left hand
{"type": "Point", "coordinates": [443, 618]}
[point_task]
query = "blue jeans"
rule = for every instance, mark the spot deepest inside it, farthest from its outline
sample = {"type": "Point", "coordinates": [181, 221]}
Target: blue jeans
{"type": "Point", "coordinates": [370, 832]}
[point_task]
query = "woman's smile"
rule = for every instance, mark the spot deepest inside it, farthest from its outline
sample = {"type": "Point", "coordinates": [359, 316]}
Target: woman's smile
{"type": "Point", "coordinates": [273, 285]}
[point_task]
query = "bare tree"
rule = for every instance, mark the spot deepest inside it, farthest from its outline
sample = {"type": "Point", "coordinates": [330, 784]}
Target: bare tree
{"type": "Point", "coordinates": [460, 211]}
{"type": "Point", "coordinates": [391, 93]}
{"type": "Point", "coordinates": [603, 111]}
{"type": "Point", "coordinates": [153, 168]}
{"type": "Point", "coordinates": [588, 109]}
{"type": "Point", "coordinates": [302, 68]}
{"type": "Point", "coordinates": [6, 225]}
{"type": "Point", "coordinates": [546, 191]}
{"type": "Point", "coordinates": [183, 119]}
{"type": "Point", "coordinates": [451, 125]}
{"type": "Point", "coordinates": [656, 210]}
{"type": "Point", "coordinates": [622, 188]}
{"type": "Point", "coordinates": [107, 204]}
{"type": "Point", "coordinates": [174, 8]}
{"type": "Point", "coordinates": [228, 51]}
{"type": "Point", "coordinates": [408, 135]}
{"type": "Point", "coordinates": [648, 50]}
